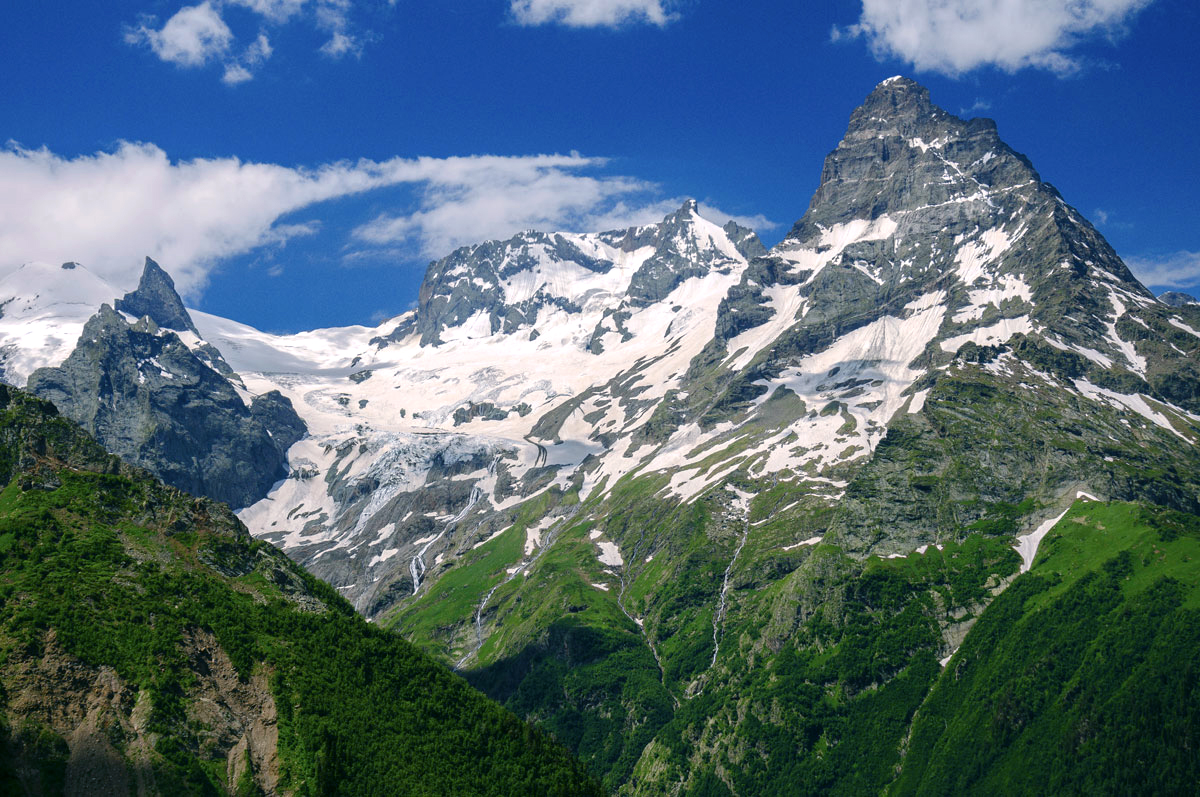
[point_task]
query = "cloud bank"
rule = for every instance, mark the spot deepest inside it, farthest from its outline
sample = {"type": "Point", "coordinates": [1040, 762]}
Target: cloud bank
{"type": "Point", "coordinates": [110, 209]}
{"type": "Point", "coordinates": [956, 36]}
{"type": "Point", "coordinates": [590, 13]}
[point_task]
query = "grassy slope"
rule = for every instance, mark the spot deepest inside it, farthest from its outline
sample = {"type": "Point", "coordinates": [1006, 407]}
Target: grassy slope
{"type": "Point", "coordinates": [1083, 676]}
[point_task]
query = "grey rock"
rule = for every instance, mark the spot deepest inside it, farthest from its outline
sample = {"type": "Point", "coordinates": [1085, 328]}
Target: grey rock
{"type": "Point", "coordinates": [156, 299]}
{"type": "Point", "coordinates": [149, 399]}
{"type": "Point", "coordinates": [470, 279]}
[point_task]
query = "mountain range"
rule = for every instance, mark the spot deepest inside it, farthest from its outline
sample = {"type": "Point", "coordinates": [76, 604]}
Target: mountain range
{"type": "Point", "coordinates": [857, 513]}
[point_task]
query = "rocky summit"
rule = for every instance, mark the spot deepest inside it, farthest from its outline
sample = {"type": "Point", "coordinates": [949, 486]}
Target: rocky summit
{"type": "Point", "coordinates": [151, 390]}
{"type": "Point", "coordinates": [730, 520]}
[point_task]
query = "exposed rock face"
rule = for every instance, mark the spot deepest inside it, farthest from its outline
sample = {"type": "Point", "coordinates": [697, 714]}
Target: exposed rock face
{"type": "Point", "coordinates": [147, 397]}
{"type": "Point", "coordinates": [105, 722]}
{"type": "Point", "coordinates": [156, 298]}
{"type": "Point", "coordinates": [505, 286]}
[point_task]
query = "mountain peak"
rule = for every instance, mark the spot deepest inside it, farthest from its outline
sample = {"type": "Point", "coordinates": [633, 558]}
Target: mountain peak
{"type": "Point", "coordinates": [156, 297]}
{"type": "Point", "coordinates": [902, 152]}
{"type": "Point", "coordinates": [899, 84]}
{"type": "Point", "coordinates": [897, 106]}
{"type": "Point", "coordinates": [1177, 299]}
{"type": "Point", "coordinates": [498, 287]}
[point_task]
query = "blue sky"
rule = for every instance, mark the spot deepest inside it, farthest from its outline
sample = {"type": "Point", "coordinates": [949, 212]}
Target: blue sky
{"type": "Point", "coordinates": [297, 163]}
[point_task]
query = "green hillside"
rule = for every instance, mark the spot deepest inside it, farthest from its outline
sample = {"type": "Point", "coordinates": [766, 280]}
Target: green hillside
{"type": "Point", "coordinates": [149, 645]}
{"type": "Point", "coordinates": [1083, 677]}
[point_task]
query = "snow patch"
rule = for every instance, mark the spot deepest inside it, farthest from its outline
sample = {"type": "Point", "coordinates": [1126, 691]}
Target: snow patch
{"type": "Point", "coordinates": [1175, 322]}
{"type": "Point", "coordinates": [1027, 545]}
{"type": "Point", "coordinates": [609, 554]}
{"type": "Point", "coordinates": [998, 332]}
{"type": "Point", "coordinates": [1135, 403]}
{"type": "Point", "coordinates": [809, 541]}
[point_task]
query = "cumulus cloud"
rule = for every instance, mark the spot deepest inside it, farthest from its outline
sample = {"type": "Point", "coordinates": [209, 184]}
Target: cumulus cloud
{"type": "Point", "coordinates": [956, 36]}
{"type": "Point", "coordinates": [198, 35]}
{"type": "Point", "coordinates": [590, 13]}
{"type": "Point", "coordinates": [192, 37]}
{"type": "Point", "coordinates": [1176, 270]}
{"type": "Point", "coordinates": [108, 210]}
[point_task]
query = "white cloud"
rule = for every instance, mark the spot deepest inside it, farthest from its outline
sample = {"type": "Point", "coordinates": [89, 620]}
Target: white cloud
{"type": "Point", "coordinates": [198, 35]}
{"type": "Point", "coordinates": [340, 44]}
{"type": "Point", "coordinates": [758, 222]}
{"type": "Point", "coordinates": [467, 200]}
{"type": "Point", "coordinates": [110, 209]}
{"type": "Point", "coordinates": [235, 74]}
{"type": "Point", "coordinates": [589, 13]}
{"type": "Point", "coordinates": [956, 36]}
{"type": "Point", "coordinates": [194, 36]}
{"type": "Point", "coordinates": [1177, 270]}
{"type": "Point", "coordinates": [333, 16]}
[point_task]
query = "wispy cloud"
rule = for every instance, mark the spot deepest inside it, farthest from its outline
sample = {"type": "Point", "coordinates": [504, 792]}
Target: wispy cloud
{"type": "Point", "coordinates": [467, 200]}
{"type": "Point", "coordinates": [1176, 270]}
{"type": "Point", "coordinates": [979, 106]}
{"type": "Point", "coordinates": [464, 200]}
{"type": "Point", "coordinates": [199, 35]}
{"type": "Point", "coordinates": [590, 13]}
{"type": "Point", "coordinates": [241, 70]}
{"type": "Point", "coordinates": [956, 36]}
{"type": "Point", "coordinates": [109, 209]}
{"type": "Point", "coordinates": [758, 222]}
{"type": "Point", "coordinates": [274, 10]}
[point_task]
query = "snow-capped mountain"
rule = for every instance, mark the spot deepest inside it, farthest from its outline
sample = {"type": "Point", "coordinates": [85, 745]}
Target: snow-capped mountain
{"type": "Point", "coordinates": [671, 448]}
{"type": "Point", "coordinates": [449, 413]}
{"type": "Point", "coordinates": [551, 365]}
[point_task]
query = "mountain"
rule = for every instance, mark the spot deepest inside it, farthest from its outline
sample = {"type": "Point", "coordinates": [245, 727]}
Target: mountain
{"type": "Point", "coordinates": [718, 516]}
{"type": "Point", "coordinates": [442, 427]}
{"type": "Point", "coordinates": [261, 680]}
{"type": "Point", "coordinates": [1177, 299]}
{"type": "Point", "coordinates": [506, 286]}
{"type": "Point", "coordinates": [143, 381]}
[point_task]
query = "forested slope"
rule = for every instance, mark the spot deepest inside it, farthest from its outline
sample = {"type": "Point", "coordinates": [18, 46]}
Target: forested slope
{"type": "Point", "coordinates": [149, 645]}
